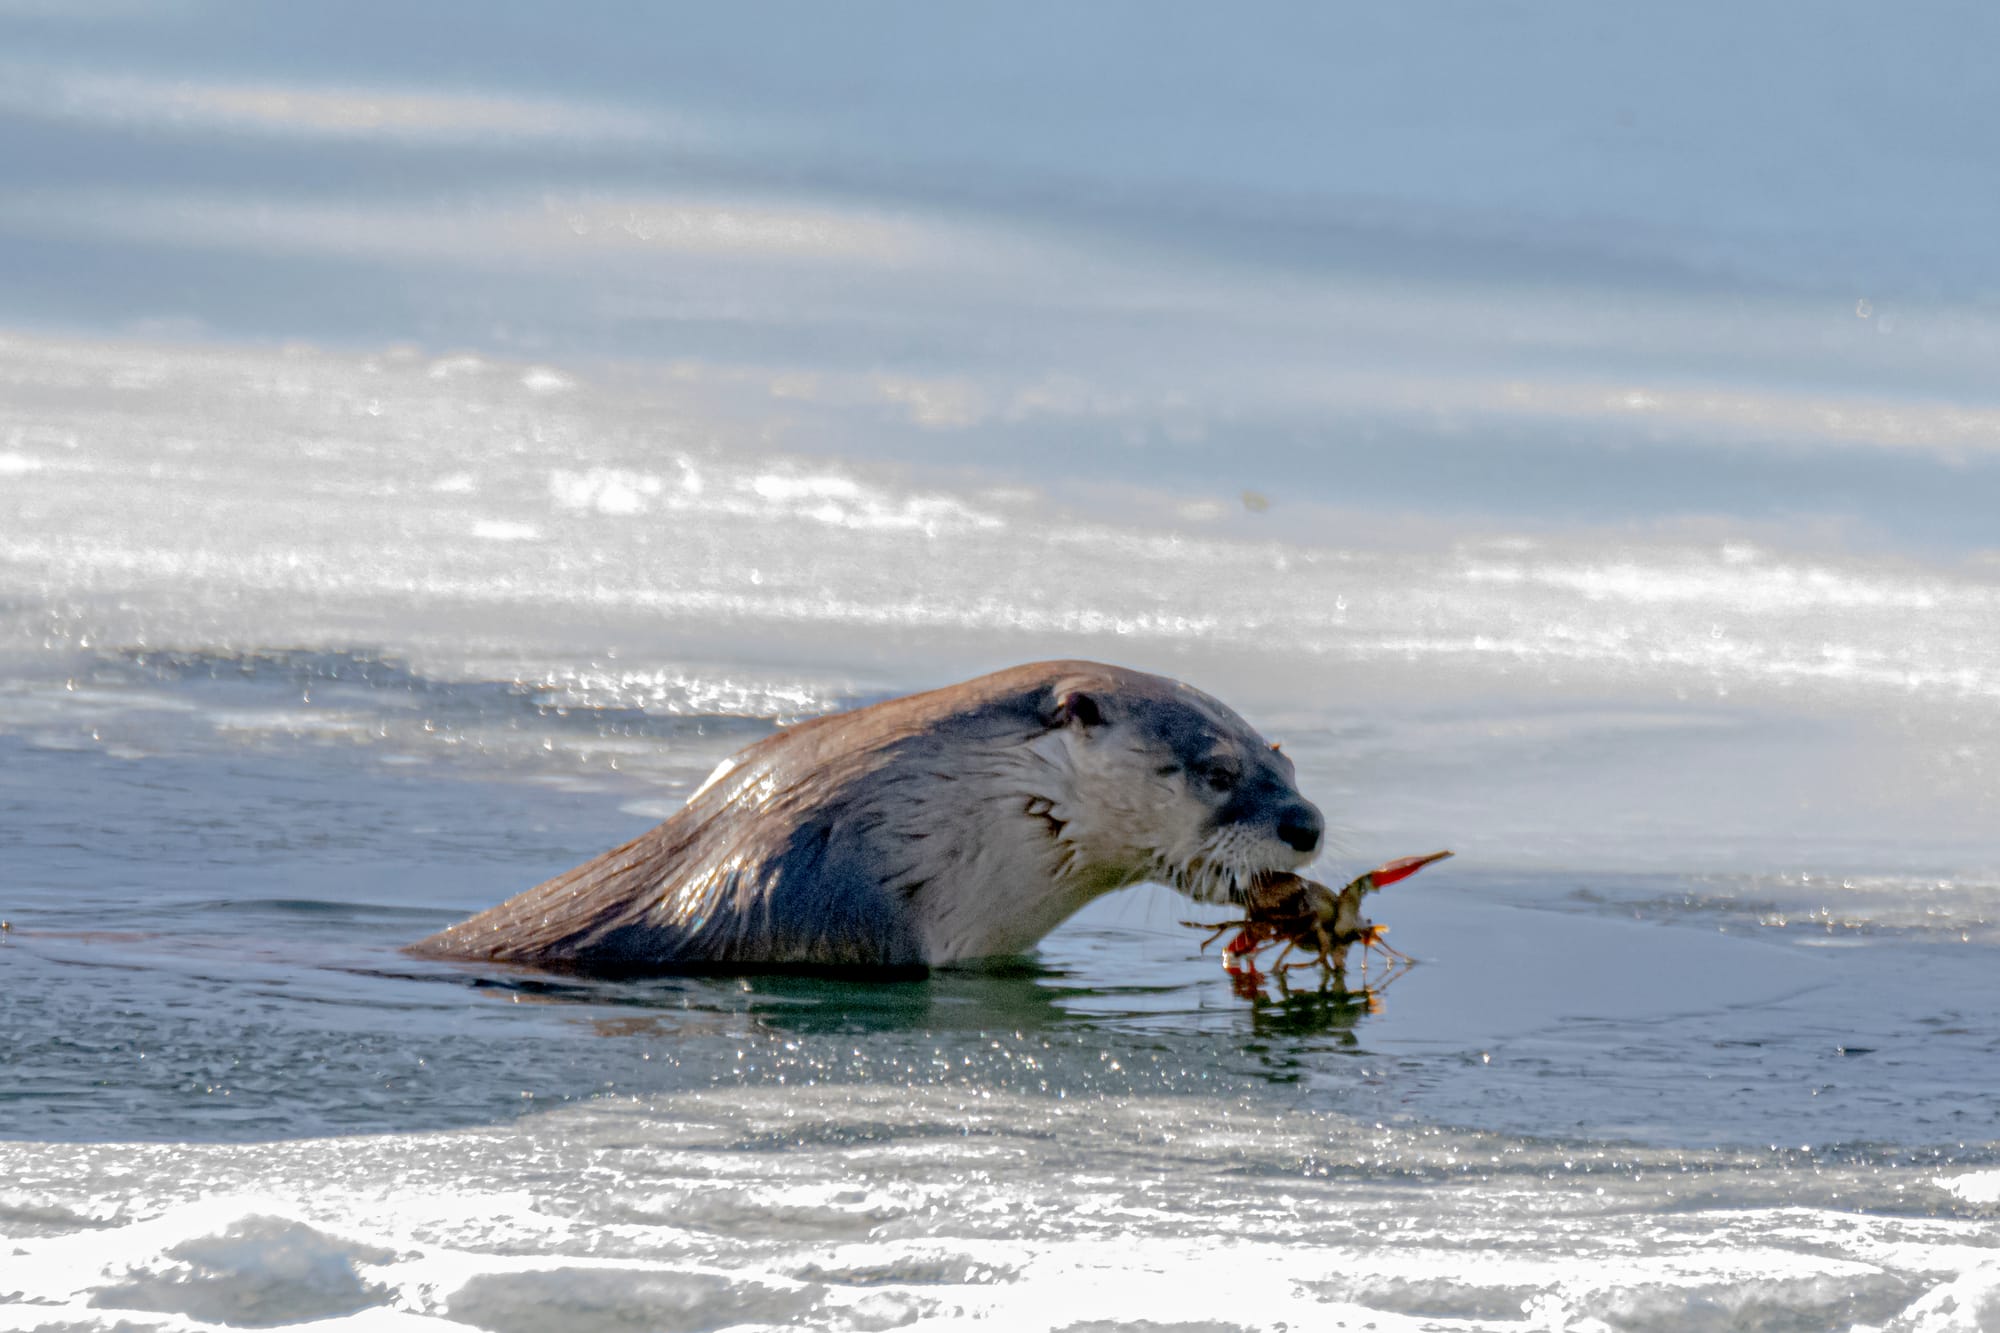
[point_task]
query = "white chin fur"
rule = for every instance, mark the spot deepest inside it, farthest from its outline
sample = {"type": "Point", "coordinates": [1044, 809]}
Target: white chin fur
{"type": "Point", "coordinates": [1220, 871]}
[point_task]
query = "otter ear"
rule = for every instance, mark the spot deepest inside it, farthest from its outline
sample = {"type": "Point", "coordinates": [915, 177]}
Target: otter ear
{"type": "Point", "coordinates": [1076, 706]}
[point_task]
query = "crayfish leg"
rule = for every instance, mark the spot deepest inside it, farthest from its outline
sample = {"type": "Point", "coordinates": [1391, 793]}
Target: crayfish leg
{"type": "Point", "coordinates": [1323, 957]}
{"type": "Point", "coordinates": [1219, 930]}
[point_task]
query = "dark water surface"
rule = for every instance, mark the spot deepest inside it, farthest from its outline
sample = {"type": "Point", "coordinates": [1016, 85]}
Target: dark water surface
{"type": "Point", "coordinates": [204, 946]}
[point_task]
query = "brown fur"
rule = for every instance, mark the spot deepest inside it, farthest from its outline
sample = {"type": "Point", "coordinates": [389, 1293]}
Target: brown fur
{"type": "Point", "coordinates": [952, 824]}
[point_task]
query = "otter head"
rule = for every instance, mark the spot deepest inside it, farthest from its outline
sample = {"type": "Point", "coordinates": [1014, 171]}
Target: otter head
{"type": "Point", "coordinates": [1164, 783]}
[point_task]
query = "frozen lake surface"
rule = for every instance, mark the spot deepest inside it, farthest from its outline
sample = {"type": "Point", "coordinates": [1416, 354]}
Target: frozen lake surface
{"type": "Point", "coordinates": [430, 441]}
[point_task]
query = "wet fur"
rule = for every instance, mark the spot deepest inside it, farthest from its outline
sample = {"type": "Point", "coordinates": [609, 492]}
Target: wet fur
{"type": "Point", "coordinates": [961, 823]}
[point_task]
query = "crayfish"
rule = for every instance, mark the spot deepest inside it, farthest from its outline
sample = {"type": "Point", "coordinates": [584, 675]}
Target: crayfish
{"type": "Point", "coordinates": [1305, 914]}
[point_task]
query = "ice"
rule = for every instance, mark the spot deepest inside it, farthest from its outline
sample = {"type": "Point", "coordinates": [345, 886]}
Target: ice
{"type": "Point", "coordinates": [1747, 707]}
{"type": "Point", "coordinates": [833, 1205]}
{"type": "Point", "coordinates": [370, 516]}
{"type": "Point", "coordinates": [1974, 1186]}
{"type": "Point", "coordinates": [1966, 1304]}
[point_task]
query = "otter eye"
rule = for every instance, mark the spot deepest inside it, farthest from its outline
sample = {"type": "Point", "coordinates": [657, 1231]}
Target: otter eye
{"type": "Point", "coordinates": [1219, 774]}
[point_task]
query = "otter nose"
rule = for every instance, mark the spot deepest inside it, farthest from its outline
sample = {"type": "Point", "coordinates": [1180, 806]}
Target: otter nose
{"type": "Point", "coordinates": [1299, 827]}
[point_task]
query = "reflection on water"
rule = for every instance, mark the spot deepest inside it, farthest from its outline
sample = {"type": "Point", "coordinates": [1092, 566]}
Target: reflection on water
{"type": "Point", "coordinates": [1329, 1004]}
{"type": "Point", "coordinates": [1019, 996]}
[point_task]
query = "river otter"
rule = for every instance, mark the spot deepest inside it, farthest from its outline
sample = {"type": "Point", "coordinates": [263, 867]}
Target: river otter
{"type": "Point", "coordinates": [958, 824]}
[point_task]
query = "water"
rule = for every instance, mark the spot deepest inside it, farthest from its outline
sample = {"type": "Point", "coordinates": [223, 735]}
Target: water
{"type": "Point", "coordinates": [1700, 1036]}
{"type": "Point", "coordinates": [429, 443]}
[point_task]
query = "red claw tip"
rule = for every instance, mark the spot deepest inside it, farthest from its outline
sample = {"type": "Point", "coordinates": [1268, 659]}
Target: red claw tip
{"type": "Point", "coordinates": [1402, 868]}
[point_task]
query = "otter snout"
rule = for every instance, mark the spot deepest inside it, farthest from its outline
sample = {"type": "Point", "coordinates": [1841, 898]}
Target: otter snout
{"type": "Point", "coordinates": [1300, 827]}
